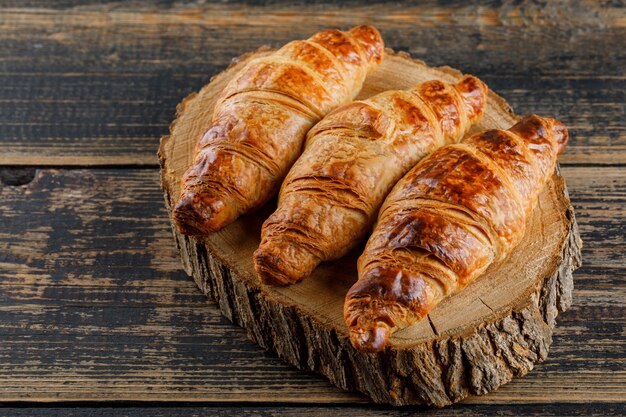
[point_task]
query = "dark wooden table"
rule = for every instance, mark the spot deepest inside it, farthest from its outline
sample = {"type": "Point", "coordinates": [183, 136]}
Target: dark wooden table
{"type": "Point", "coordinates": [96, 315]}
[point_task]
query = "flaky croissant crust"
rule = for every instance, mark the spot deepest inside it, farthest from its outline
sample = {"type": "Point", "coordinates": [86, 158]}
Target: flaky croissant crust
{"type": "Point", "coordinates": [455, 213]}
{"type": "Point", "coordinates": [352, 159]}
{"type": "Point", "coordinates": [261, 119]}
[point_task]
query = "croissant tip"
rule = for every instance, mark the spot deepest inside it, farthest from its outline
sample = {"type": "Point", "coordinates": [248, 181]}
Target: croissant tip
{"type": "Point", "coordinates": [372, 40]}
{"type": "Point", "coordinates": [283, 261]}
{"type": "Point", "coordinates": [560, 132]}
{"type": "Point", "coordinates": [474, 92]}
{"type": "Point", "coordinates": [182, 216]}
{"type": "Point", "coordinates": [194, 215]}
{"type": "Point", "coordinates": [372, 339]}
{"type": "Point", "coordinates": [268, 271]}
{"type": "Point", "coordinates": [529, 124]}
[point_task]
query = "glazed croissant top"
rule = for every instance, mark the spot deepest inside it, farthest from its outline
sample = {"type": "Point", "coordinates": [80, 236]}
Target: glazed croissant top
{"type": "Point", "coordinates": [261, 119]}
{"type": "Point", "coordinates": [455, 213]}
{"type": "Point", "coordinates": [352, 158]}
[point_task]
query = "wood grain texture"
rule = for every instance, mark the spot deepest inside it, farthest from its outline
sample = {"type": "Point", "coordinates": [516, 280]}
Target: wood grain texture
{"type": "Point", "coordinates": [595, 409]}
{"type": "Point", "coordinates": [97, 84]}
{"type": "Point", "coordinates": [93, 305]}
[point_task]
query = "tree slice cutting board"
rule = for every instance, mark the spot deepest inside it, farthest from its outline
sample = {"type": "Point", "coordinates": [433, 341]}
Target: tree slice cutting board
{"type": "Point", "coordinates": [471, 343]}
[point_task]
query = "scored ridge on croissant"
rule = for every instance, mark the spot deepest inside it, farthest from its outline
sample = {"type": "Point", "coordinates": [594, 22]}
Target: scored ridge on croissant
{"type": "Point", "coordinates": [455, 213]}
{"type": "Point", "coordinates": [352, 158]}
{"type": "Point", "coordinates": [261, 119]}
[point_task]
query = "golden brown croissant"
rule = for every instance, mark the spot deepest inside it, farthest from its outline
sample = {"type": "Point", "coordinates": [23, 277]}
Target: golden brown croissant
{"type": "Point", "coordinates": [352, 159]}
{"type": "Point", "coordinates": [456, 212]}
{"type": "Point", "coordinates": [261, 119]}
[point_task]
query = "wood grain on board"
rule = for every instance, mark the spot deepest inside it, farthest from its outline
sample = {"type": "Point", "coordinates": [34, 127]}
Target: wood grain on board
{"type": "Point", "coordinates": [97, 84]}
{"type": "Point", "coordinates": [94, 304]}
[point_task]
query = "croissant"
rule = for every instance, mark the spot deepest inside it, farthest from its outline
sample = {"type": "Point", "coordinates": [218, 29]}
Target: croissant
{"type": "Point", "coordinates": [455, 213]}
{"type": "Point", "coordinates": [260, 121]}
{"type": "Point", "coordinates": [352, 158]}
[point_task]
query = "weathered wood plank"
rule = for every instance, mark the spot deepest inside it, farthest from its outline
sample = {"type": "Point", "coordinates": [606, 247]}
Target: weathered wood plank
{"type": "Point", "coordinates": [98, 84]}
{"type": "Point", "coordinates": [94, 306]}
{"type": "Point", "coordinates": [596, 409]}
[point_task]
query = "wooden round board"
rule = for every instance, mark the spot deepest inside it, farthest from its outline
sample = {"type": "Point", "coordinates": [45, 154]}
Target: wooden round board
{"type": "Point", "coordinates": [473, 342]}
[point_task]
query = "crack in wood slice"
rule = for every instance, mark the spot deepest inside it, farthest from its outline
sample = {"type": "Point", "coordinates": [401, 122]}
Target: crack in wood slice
{"type": "Point", "coordinates": [472, 343]}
